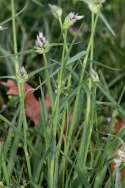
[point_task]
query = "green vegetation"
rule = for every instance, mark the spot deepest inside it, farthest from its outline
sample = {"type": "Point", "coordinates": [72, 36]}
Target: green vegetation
{"type": "Point", "coordinates": [72, 54]}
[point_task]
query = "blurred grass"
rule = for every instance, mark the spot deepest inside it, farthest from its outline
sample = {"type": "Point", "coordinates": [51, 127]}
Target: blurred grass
{"type": "Point", "coordinates": [84, 141]}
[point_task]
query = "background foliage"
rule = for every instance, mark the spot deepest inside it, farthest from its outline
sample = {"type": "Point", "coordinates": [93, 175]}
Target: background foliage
{"type": "Point", "coordinates": [107, 105]}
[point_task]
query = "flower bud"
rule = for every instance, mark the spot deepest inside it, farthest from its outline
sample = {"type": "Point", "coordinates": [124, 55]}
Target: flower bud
{"type": "Point", "coordinates": [42, 44]}
{"type": "Point", "coordinates": [94, 5]}
{"type": "Point", "coordinates": [94, 76]}
{"type": "Point", "coordinates": [2, 28]}
{"type": "Point", "coordinates": [56, 11]}
{"type": "Point", "coordinates": [23, 73]}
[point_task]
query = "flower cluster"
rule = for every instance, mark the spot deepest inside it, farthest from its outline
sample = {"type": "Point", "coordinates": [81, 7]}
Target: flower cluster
{"type": "Point", "coordinates": [41, 44]}
{"type": "Point", "coordinates": [70, 19]}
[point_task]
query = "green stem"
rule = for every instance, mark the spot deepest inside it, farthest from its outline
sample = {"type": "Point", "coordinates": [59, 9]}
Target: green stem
{"type": "Point", "coordinates": [25, 128]}
{"type": "Point", "coordinates": [77, 101]}
{"type": "Point", "coordinates": [48, 79]}
{"type": "Point", "coordinates": [90, 106]}
{"type": "Point", "coordinates": [74, 119]}
{"type": "Point", "coordinates": [53, 165]}
{"type": "Point", "coordinates": [20, 83]}
{"type": "Point", "coordinates": [59, 87]}
{"type": "Point", "coordinates": [92, 41]}
{"type": "Point", "coordinates": [14, 36]}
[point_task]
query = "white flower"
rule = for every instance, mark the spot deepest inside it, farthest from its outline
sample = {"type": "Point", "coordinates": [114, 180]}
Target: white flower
{"type": "Point", "coordinates": [23, 73]}
{"type": "Point", "coordinates": [121, 154]}
{"type": "Point", "coordinates": [41, 44]}
{"type": "Point", "coordinates": [2, 28]}
{"type": "Point", "coordinates": [22, 70]}
{"type": "Point", "coordinates": [41, 40]}
{"type": "Point", "coordinates": [70, 19]}
{"type": "Point", "coordinates": [73, 17]}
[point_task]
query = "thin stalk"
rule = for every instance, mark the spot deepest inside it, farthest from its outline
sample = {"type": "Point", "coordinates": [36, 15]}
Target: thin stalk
{"type": "Point", "coordinates": [74, 120]}
{"type": "Point", "coordinates": [25, 128]}
{"type": "Point", "coordinates": [77, 101]}
{"type": "Point", "coordinates": [59, 87]}
{"type": "Point", "coordinates": [61, 140]}
{"type": "Point", "coordinates": [92, 41]}
{"type": "Point", "coordinates": [90, 106]}
{"type": "Point", "coordinates": [14, 36]}
{"type": "Point", "coordinates": [53, 168]}
{"type": "Point", "coordinates": [5, 169]}
{"type": "Point", "coordinates": [48, 78]}
{"type": "Point", "coordinates": [13, 151]}
{"type": "Point", "coordinates": [20, 83]}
